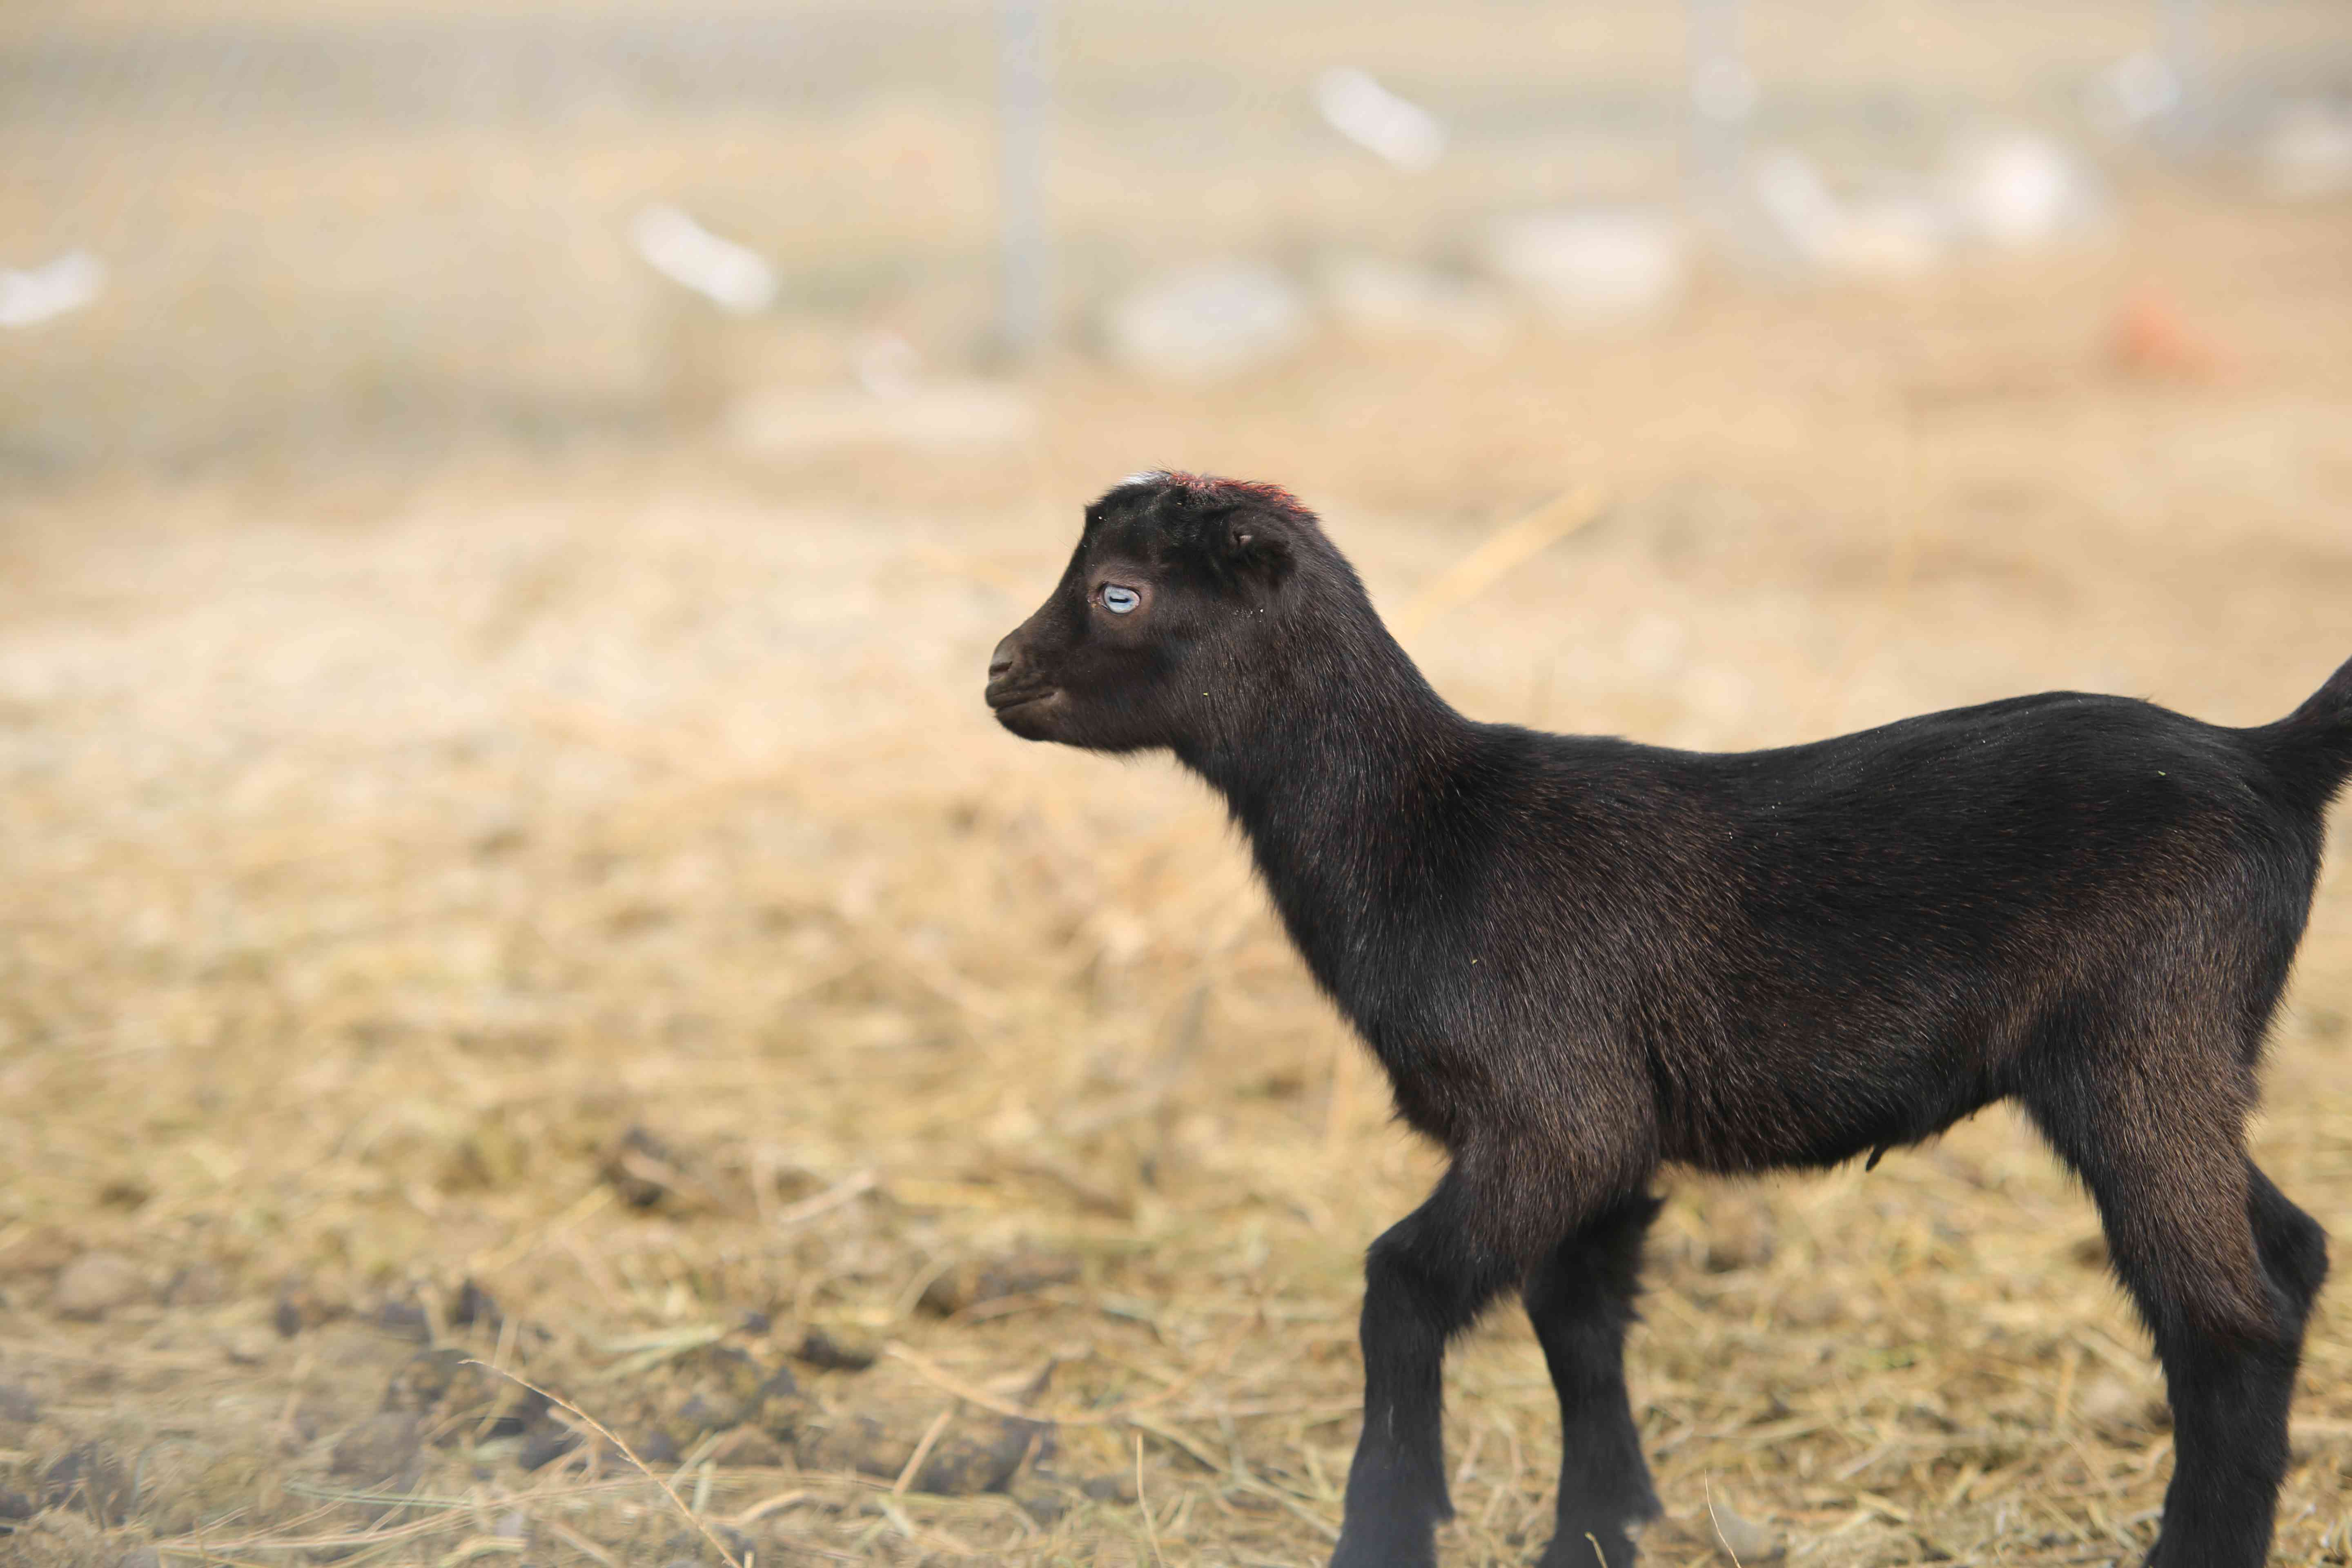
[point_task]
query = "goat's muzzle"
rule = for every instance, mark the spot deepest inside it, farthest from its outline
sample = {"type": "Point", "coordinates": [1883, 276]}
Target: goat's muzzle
{"type": "Point", "coordinates": [1010, 685]}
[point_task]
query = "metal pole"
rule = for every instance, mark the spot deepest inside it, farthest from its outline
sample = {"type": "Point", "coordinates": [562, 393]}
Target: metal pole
{"type": "Point", "coordinates": [1722, 95]}
{"type": "Point", "coordinates": [1024, 283]}
{"type": "Point", "coordinates": [2188, 43]}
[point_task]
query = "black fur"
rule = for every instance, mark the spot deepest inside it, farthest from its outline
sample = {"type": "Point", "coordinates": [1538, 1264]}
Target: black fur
{"type": "Point", "coordinates": [1579, 958]}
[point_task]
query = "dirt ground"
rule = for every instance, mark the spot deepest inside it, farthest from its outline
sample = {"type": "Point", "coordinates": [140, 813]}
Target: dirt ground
{"type": "Point", "coordinates": [569, 918]}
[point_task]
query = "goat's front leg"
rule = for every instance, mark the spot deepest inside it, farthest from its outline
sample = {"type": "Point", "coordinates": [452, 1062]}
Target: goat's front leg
{"type": "Point", "coordinates": [1580, 1299]}
{"type": "Point", "coordinates": [1424, 1282]}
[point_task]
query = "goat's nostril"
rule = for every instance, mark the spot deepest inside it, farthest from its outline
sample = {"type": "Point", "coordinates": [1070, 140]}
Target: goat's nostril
{"type": "Point", "coordinates": [1001, 660]}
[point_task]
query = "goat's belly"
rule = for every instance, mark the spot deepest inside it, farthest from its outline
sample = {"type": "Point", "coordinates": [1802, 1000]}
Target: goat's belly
{"type": "Point", "coordinates": [1809, 1120]}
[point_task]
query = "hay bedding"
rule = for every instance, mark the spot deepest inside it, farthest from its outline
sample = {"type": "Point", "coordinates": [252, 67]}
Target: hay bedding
{"type": "Point", "coordinates": [576, 922]}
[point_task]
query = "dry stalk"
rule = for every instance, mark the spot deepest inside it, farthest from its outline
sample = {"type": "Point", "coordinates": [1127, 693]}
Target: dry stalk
{"type": "Point", "coordinates": [1717, 1524]}
{"type": "Point", "coordinates": [841, 1192]}
{"type": "Point", "coordinates": [1514, 544]}
{"type": "Point", "coordinates": [932, 1372]}
{"type": "Point", "coordinates": [774, 1503]}
{"type": "Point", "coordinates": [581, 1543]}
{"type": "Point", "coordinates": [626, 1452]}
{"type": "Point", "coordinates": [1143, 1505]}
{"type": "Point", "coordinates": [922, 1450]}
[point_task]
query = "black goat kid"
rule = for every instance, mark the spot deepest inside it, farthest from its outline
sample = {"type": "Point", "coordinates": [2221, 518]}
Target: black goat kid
{"type": "Point", "coordinates": [1579, 958]}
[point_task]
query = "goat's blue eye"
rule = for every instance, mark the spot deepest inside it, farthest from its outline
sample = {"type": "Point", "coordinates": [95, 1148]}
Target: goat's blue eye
{"type": "Point", "coordinates": [1120, 601]}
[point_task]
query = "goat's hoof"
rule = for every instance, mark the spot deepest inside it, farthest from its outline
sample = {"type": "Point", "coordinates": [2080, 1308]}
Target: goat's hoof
{"type": "Point", "coordinates": [2226, 1550]}
{"type": "Point", "coordinates": [1372, 1549]}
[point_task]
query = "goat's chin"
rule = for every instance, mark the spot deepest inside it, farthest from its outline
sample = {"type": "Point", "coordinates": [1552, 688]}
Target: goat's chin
{"type": "Point", "coordinates": [1052, 716]}
{"type": "Point", "coordinates": [1034, 718]}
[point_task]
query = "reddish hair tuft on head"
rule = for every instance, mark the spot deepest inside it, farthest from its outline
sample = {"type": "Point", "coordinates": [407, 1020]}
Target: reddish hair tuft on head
{"type": "Point", "coordinates": [1213, 486]}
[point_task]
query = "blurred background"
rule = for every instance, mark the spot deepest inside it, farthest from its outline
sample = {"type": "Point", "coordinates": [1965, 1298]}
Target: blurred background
{"type": "Point", "coordinates": [502, 513]}
{"type": "Point", "coordinates": [234, 227]}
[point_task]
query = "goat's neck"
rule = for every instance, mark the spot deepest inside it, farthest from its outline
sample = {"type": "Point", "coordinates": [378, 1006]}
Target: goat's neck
{"type": "Point", "coordinates": [1351, 772]}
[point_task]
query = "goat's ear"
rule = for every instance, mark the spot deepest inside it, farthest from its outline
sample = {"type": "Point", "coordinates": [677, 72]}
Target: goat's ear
{"type": "Point", "coordinates": [1256, 553]}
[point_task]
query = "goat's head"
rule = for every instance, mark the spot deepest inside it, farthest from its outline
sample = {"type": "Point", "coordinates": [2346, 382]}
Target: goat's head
{"type": "Point", "coordinates": [1173, 598]}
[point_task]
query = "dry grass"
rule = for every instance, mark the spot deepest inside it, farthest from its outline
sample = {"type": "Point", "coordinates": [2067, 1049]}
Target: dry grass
{"type": "Point", "coordinates": [382, 847]}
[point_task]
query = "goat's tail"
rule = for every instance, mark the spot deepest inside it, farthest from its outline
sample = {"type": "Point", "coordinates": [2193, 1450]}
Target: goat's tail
{"type": "Point", "coordinates": [2312, 745]}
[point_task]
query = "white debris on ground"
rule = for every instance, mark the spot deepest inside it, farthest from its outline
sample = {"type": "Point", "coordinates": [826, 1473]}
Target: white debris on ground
{"type": "Point", "coordinates": [2007, 190]}
{"type": "Point", "coordinates": [39, 294]}
{"type": "Point", "coordinates": [1357, 107]}
{"type": "Point", "coordinates": [1376, 298]}
{"type": "Point", "coordinates": [735, 277]}
{"type": "Point", "coordinates": [2306, 152]}
{"type": "Point", "coordinates": [1793, 222]}
{"type": "Point", "coordinates": [886, 365]}
{"type": "Point", "coordinates": [2016, 190]}
{"type": "Point", "coordinates": [1896, 230]}
{"type": "Point", "coordinates": [1592, 266]}
{"type": "Point", "coordinates": [1206, 323]}
{"type": "Point", "coordinates": [2132, 95]}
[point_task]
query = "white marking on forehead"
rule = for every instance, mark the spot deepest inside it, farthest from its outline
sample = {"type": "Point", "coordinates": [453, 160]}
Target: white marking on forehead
{"type": "Point", "coordinates": [1148, 477]}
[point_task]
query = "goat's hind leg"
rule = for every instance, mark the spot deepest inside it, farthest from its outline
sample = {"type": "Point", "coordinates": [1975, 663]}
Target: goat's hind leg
{"type": "Point", "coordinates": [2221, 1268]}
{"type": "Point", "coordinates": [1425, 1281]}
{"type": "Point", "coordinates": [1580, 1299]}
{"type": "Point", "coordinates": [2294, 1245]}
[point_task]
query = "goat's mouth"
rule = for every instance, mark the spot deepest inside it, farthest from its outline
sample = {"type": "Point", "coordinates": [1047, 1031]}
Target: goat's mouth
{"type": "Point", "coordinates": [1005, 700]}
